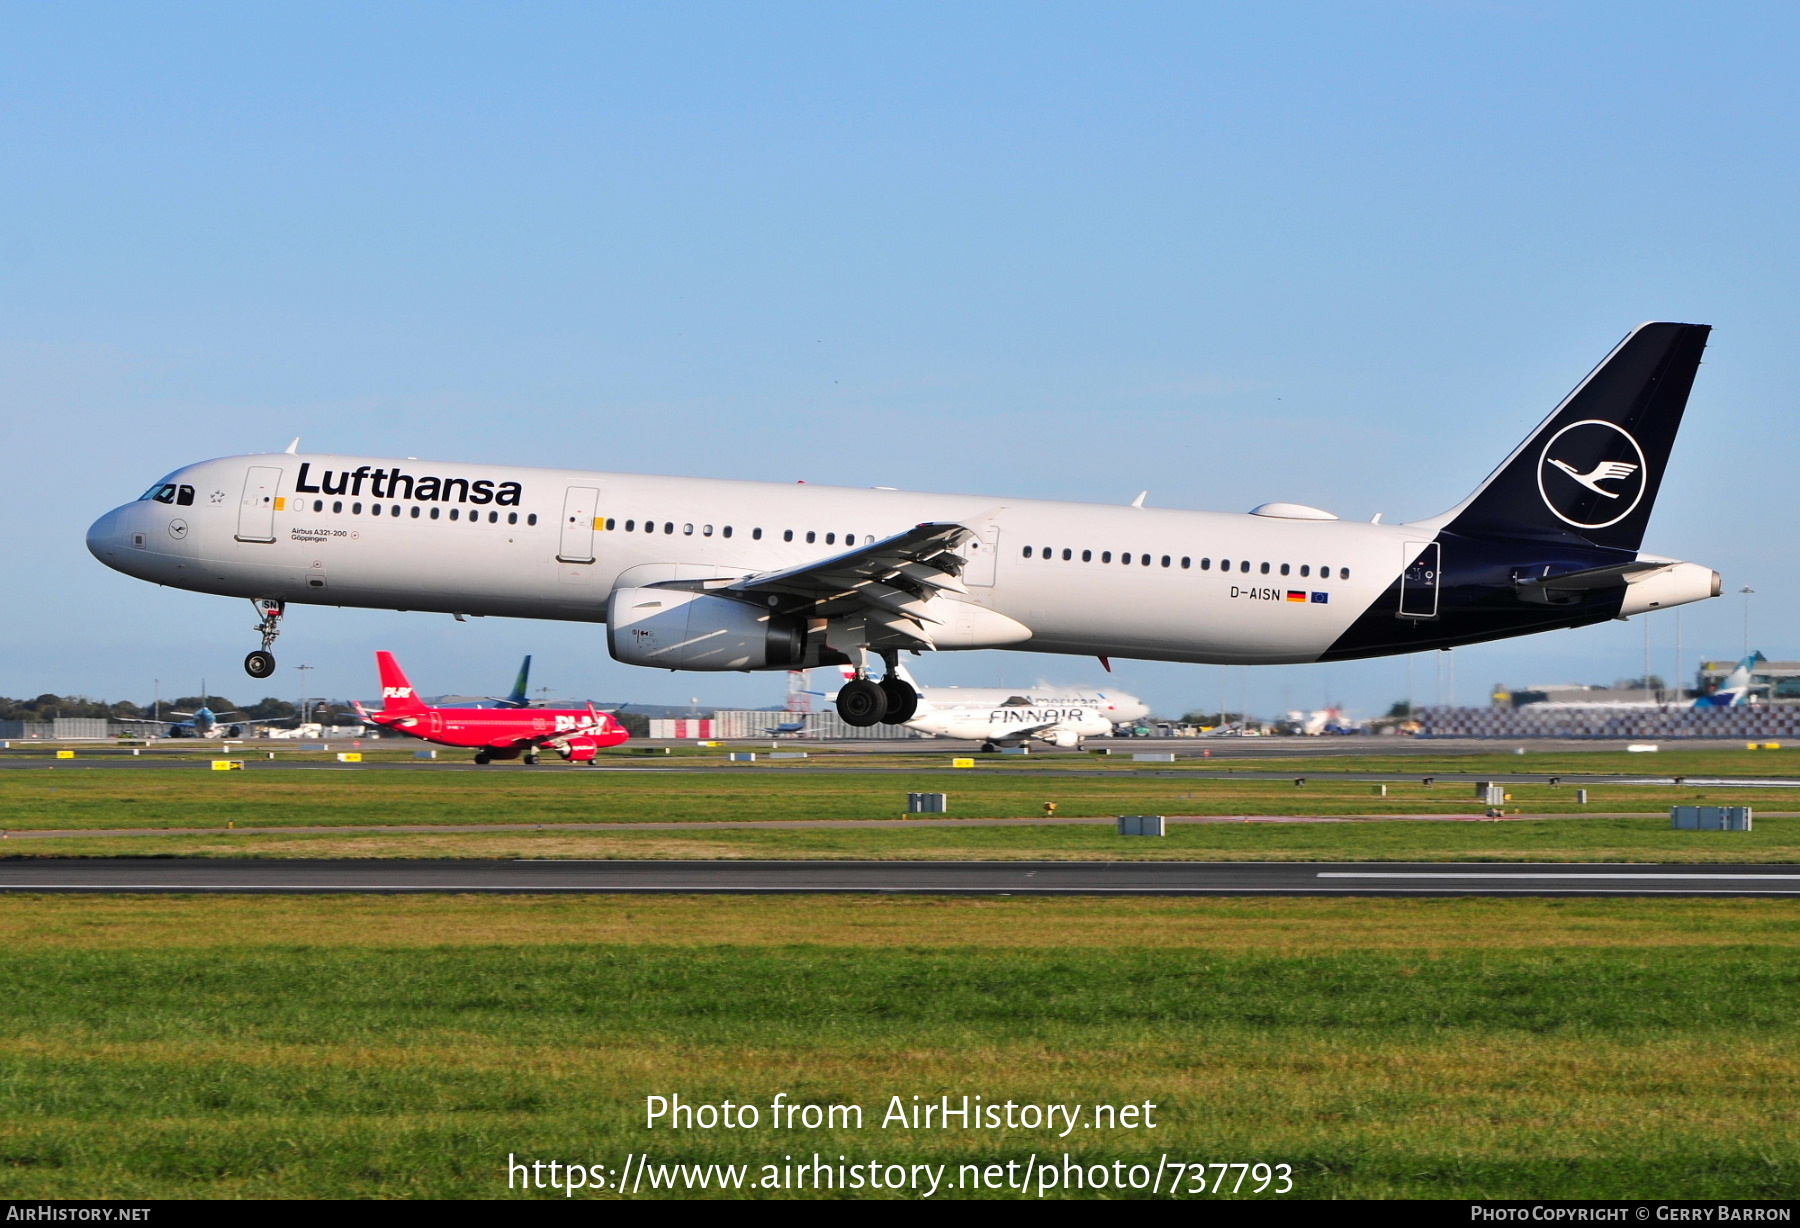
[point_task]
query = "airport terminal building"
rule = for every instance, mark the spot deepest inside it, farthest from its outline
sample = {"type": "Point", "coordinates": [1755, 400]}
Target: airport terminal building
{"type": "Point", "coordinates": [1632, 711]}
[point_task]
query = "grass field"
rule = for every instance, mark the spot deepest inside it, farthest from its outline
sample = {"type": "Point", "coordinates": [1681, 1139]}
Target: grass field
{"type": "Point", "coordinates": [403, 1047]}
{"type": "Point", "coordinates": [869, 787]}
{"type": "Point", "coordinates": [1614, 839]}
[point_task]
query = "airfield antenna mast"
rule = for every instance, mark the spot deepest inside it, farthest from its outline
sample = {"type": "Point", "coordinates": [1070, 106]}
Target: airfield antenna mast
{"type": "Point", "coordinates": [799, 699]}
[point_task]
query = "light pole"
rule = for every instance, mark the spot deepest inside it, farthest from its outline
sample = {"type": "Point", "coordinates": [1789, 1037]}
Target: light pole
{"type": "Point", "coordinates": [303, 669]}
{"type": "Point", "coordinates": [1746, 591]}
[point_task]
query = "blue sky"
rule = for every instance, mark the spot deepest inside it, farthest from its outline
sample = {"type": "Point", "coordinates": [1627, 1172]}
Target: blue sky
{"type": "Point", "coordinates": [1346, 255]}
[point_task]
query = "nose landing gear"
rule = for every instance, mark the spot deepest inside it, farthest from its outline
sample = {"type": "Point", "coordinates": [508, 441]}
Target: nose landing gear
{"type": "Point", "coordinates": [261, 663]}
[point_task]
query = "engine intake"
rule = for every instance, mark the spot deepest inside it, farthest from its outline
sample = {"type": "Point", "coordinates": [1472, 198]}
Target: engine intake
{"type": "Point", "coordinates": [672, 629]}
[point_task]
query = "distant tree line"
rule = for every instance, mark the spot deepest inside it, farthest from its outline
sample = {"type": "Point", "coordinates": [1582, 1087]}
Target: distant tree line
{"type": "Point", "coordinates": [52, 707]}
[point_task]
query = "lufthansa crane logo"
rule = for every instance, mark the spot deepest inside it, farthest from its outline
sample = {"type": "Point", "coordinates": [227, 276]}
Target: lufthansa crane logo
{"type": "Point", "coordinates": [1591, 474]}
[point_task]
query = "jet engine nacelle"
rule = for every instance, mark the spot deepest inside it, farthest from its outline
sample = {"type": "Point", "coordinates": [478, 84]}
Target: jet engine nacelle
{"type": "Point", "coordinates": [671, 629]}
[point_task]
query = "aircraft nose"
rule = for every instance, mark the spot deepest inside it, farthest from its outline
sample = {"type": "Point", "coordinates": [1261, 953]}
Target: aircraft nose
{"type": "Point", "coordinates": [105, 537]}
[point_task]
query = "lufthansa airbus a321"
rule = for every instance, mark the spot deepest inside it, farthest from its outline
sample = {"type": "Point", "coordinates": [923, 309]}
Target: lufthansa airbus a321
{"type": "Point", "coordinates": [708, 574]}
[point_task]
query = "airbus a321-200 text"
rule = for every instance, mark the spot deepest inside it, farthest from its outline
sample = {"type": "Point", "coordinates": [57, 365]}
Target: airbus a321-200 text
{"type": "Point", "coordinates": [709, 574]}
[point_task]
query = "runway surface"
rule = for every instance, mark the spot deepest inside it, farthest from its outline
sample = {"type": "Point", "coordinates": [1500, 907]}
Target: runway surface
{"type": "Point", "coordinates": [915, 877]}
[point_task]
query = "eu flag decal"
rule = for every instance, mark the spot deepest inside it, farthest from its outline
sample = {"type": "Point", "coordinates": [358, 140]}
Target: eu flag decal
{"type": "Point", "coordinates": [1321, 598]}
{"type": "Point", "coordinates": [1293, 595]}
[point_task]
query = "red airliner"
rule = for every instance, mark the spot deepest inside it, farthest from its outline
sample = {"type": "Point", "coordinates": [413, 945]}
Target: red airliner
{"type": "Point", "coordinates": [493, 733]}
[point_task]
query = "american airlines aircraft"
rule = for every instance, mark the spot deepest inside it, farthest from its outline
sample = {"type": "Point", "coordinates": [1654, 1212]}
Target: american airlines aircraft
{"type": "Point", "coordinates": [708, 574]}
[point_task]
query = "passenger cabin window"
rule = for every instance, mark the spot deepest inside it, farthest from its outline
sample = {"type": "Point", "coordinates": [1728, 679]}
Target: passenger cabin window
{"type": "Point", "coordinates": [337, 506]}
{"type": "Point", "coordinates": [1145, 560]}
{"type": "Point", "coordinates": [1166, 560]}
{"type": "Point", "coordinates": [1205, 564]}
{"type": "Point", "coordinates": [755, 534]}
{"type": "Point", "coordinates": [1106, 556]}
{"type": "Point", "coordinates": [705, 530]}
{"type": "Point", "coordinates": [1067, 556]}
{"type": "Point", "coordinates": [415, 513]}
{"type": "Point", "coordinates": [1087, 556]}
{"type": "Point", "coordinates": [374, 509]}
{"type": "Point", "coordinates": [1028, 552]}
{"type": "Point", "coordinates": [811, 537]}
{"type": "Point", "coordinates": [727, 531]}
{"type": "Point", "coordinates": [513, 518]}
{"type": "Point", "coordinates": [318, 505]}
{"type": "Point", "coordinates": [434, 513]}
{"type": "Point", "coordinates": [1305, 571]}
{"type": "Point", "coordinates": [1244, 565]}
{"type": "Point", "coordinates": [668, 526]}
{"type": "Point", "coordinates": [1186, 562]}
{"type": "Point", "coordinates": [831, 539]}
{"type": "Point", "coordinates": [1224, 564]}
{"type": "Point", "coordinates": [787, 535]}
{"type": "Point", "coordinates": [455, 512]}
{"type": "Point", "coordinates": [1284, 569]}
{"type": "Point", "coordinates": [687, 530]}
{"type": "Point", "coordinates": [1265, 569]}
{"type": "Point", "coordinates": [1344, 573]}
{"type": "Point", "coordinates": [531, 519]}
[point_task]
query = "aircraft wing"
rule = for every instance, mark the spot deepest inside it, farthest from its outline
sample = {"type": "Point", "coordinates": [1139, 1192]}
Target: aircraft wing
{"type": "Point", "coordinates": [1019, 733]}
{"type": "Point", "coordinates": [891, 582]}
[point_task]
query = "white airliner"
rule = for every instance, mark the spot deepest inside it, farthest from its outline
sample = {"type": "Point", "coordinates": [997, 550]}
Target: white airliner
{"type": "Point", "coordinates": [707, 574]}
{"type": "Point", "coordinates": [1061, 716]}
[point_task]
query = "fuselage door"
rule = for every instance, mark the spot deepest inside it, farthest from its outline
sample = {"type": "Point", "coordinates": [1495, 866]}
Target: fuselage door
{"type": "Point", "coordinates": [1419, 582]}
{"type": "Point", "coordinates": [984, 553]}
{"type": "Point", "coordinates": [577, 542]}
{"type": "Point", "coordinates": [256, 513]}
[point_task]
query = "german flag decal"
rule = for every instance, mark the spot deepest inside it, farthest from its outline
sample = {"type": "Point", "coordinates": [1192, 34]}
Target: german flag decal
{"type": "Point", "coordinates": [1296, 595]}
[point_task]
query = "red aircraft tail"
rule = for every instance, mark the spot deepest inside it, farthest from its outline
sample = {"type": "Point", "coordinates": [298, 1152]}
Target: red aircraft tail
{"type": "Point", "coordinates": [397, 694]}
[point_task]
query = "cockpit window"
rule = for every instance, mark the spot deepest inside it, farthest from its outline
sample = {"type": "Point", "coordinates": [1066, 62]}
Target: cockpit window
{"type": "Point", "coordinates": [162, 492]}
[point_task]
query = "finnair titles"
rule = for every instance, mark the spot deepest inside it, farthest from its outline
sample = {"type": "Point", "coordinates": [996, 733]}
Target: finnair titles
{"type": "Point", "coordinates": [708, 574]}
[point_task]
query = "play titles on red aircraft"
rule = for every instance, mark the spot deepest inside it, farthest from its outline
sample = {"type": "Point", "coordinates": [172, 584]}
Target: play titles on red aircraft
{"type": "Point", "coordinates": [492, 733]}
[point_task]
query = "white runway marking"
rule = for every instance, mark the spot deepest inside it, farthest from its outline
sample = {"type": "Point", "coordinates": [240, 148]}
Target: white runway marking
{"type": "Point", "coordinates": [1782, 878]}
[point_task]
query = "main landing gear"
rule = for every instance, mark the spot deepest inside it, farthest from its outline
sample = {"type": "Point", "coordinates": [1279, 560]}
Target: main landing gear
{"type": "Point", "coordinates": [863, 702]}
{"type": "Point", "coordinates": [261, 663]}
